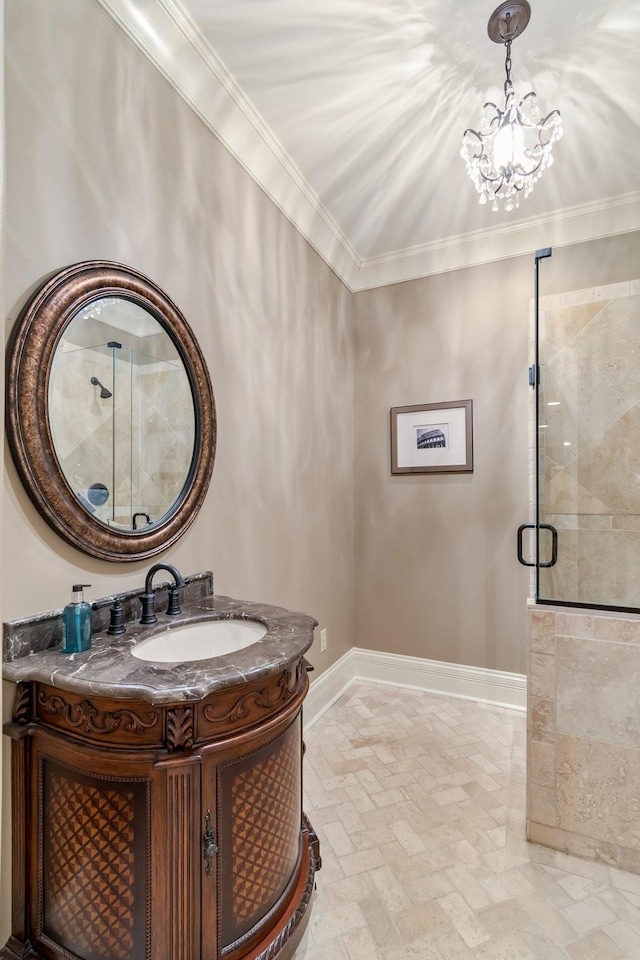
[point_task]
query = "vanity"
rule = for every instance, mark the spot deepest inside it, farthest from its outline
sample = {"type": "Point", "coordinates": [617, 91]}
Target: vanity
{"type": "Point", "coordinates": [157, 776]}
{"type": "Point", "coordinates": [157, 805]}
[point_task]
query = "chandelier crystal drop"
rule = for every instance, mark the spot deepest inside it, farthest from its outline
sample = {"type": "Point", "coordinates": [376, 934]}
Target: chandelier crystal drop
{"type": "Point", "coordinates": [512, 148]}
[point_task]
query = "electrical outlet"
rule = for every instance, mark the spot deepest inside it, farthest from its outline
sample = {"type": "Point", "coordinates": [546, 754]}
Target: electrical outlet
{"type": "Point", "coordinates": [323, 640]}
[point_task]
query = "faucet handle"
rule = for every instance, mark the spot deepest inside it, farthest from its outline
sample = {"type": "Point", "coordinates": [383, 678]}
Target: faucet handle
{"type": "Point", "coordinates": [116, 624]}
{"type": "Point", "coordinates": [148, 601]}
{"type": "Point", "coordinates": [173, 607]}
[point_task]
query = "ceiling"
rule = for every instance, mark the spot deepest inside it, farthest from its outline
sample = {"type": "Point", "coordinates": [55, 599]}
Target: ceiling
{"type": "Point", "coordinates": [350, 115]}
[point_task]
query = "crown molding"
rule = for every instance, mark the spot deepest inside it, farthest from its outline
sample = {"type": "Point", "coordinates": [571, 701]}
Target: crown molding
{"type": "Point", "coordinates": [169, 38]}
{"type": "Point", "coordinates": [558, 228]}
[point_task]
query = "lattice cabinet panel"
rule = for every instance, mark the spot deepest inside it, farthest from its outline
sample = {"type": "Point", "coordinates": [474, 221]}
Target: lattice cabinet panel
{"type": "Point", "coordinates": [260, 813]}
{"type": "Point", "coordinates": [94, 876]}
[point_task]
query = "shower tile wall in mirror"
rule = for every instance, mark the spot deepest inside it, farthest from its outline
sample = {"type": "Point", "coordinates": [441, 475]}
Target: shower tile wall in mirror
{"type": "Point", "coordinates": [121, 413]}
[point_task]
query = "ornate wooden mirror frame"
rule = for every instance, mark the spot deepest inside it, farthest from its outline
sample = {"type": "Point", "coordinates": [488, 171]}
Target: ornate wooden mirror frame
{"type": "Point", "coordinates": [35, 338]}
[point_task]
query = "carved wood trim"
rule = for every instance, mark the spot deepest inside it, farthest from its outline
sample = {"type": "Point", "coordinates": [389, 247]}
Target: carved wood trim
{"type": "Point", "coordinates": [23, 706]}
{"type": "Point", "coordinates": [16, 950]}
{"type": "Point", "coordinates": [314, 842]}
{"type": "Point", "coordinates": [184, 856]}
{"type": "Point", "coordinates": [180, 733]}
{"type": "Point", "coordinates": [253, 704]}
{"type": "Point", "coordinates": [20, 838]}
{"type": "Point", "coordinates": [241, 708]}
{"type": "Point", "coordinates": [89, 719]}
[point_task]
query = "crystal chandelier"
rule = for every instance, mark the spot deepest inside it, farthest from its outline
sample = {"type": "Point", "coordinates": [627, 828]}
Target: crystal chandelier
{"type": "Point", "coordinates": [512, 148]}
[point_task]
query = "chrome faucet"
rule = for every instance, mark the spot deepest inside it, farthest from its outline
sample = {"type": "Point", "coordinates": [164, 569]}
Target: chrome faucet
{"type": "Point", "coordinates": [148, 598]}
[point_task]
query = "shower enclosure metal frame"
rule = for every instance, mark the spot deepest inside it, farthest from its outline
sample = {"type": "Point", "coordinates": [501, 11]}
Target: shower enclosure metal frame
{"type": "Point", "coordinates": [537, 524]}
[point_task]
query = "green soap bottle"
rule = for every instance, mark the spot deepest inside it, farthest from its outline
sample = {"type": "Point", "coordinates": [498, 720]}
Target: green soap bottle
{"type": "Point", "coordinates": [76, 622]}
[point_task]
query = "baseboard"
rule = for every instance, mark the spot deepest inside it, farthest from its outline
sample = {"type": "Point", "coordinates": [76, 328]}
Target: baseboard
{"type": "Point", "coordinates": [329, 686]}
{"type": "Point", "coordinates": [495, 687]}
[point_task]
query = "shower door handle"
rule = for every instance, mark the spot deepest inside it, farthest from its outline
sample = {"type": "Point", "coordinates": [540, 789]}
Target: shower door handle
{"type": "Point", "coordinates": [521, 530]}
{"type": "Point", "coordinates": [554, 544]}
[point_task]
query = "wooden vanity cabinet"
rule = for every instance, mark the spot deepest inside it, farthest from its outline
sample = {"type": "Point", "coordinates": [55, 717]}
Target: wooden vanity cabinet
{"type": "Point", "coordinates": [170, 832]}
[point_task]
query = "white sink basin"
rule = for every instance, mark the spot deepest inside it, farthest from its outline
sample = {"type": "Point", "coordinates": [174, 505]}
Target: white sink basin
{"type": "Point", "coordinates": [199, 641]}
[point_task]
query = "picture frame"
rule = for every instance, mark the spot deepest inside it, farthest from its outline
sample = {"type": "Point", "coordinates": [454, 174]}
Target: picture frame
{"type": "Point", "coordinates": [432, 438]}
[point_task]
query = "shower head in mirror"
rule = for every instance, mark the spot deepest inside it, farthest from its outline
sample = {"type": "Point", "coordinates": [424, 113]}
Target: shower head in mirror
{"type": "Point", "coordinates": [104, 393]}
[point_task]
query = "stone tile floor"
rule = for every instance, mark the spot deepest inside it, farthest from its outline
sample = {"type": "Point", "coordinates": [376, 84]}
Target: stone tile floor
{"type": "Point", "coordinates": [419, 804]}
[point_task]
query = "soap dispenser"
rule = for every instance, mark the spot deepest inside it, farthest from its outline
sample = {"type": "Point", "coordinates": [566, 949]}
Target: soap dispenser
{"type": "Point", "coordinates": [76, 622]}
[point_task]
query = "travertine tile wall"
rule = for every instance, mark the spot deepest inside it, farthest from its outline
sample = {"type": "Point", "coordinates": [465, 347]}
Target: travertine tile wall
{"type": "Point", "coordinates": [81, 421]}
{"type": "Point", "coordinates": [163, 432]}
{"type": "Point", "coordinates": [583, 731]}
{"type": "Point", "coordinates": [583, 760]}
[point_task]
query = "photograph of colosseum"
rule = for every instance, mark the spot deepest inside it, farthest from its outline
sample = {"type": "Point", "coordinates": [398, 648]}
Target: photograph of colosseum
{"type": "Point", "coordinates": [435, 435]}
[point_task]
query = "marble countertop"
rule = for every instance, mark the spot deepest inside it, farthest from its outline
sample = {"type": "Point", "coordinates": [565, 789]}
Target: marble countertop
{"type": "Point", "coordinates": [109, 669]}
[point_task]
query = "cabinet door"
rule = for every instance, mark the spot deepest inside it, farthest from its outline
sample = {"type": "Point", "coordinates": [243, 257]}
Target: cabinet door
{"type": "Point", "coordinates": [259, 809]}
{"type": "Point", "coordinates": [89, 858]}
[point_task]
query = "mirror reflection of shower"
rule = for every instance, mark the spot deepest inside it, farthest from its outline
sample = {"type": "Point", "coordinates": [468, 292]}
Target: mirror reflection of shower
{"type": "Point", "coordinates": [129, 458]}
{"type": "Point", "coordinates": [104, 393]}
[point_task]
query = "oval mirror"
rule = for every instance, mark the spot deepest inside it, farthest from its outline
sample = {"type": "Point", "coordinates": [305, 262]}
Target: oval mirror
{"type": "Point", "coordinates": [110, 411]}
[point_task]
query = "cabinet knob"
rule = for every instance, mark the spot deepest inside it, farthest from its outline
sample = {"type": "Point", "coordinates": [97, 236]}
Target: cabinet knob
{"type": "Point", "coordinates": [210, 845]}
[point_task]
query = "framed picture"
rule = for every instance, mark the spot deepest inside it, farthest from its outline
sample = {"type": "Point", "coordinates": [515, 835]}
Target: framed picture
{"type": "Point", "coordinates": [432, 438]}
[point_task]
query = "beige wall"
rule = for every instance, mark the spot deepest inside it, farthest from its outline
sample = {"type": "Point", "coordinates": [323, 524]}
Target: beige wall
{"type": "Point", "coordinates": [436, 568]}
{"type": "Point", "coordinates": [105, 160]}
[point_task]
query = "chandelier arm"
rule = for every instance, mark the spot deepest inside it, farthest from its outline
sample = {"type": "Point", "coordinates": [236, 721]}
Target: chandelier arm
{"type": "Point", "coordinates": [520, 171]}
{"type": "Point", "coordinates": [517, 189]}
{"type": "Point", "coordinates": [479, 146]}
{"type": "Point", "coordinates": [552, 113]}
{"type": "Point", "coordinates": [487, 179]}
{"type": "Point", "coordinates": [526, 122]}
{"type": "Point", "coordinates": [494, 123]}
{"type": "Point", "coordinates": [493, 106]}
{"type": "Point", "coordinates": [555, 127]}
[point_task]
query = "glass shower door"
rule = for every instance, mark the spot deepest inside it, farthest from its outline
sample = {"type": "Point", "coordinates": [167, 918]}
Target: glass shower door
{"type": "Point", "coordinates": [588, 424]}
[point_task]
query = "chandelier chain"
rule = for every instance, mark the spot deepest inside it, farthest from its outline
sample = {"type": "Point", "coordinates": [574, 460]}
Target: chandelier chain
{"type": "Point", "coordinates": [508, 84]}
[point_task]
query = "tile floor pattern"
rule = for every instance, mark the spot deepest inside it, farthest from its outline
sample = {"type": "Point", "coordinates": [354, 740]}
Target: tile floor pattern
{"type": "Point", "coordinates": [419, 804]}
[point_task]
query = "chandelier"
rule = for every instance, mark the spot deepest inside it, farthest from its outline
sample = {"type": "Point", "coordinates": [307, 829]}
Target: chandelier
{"type": "Point", "coordinates": [512, 148]}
